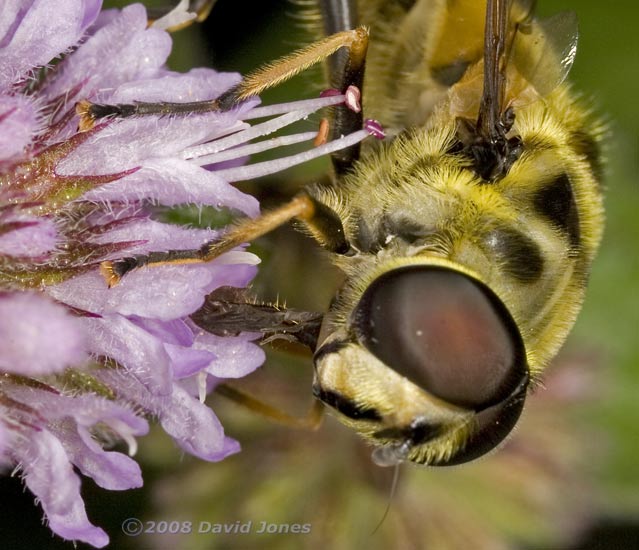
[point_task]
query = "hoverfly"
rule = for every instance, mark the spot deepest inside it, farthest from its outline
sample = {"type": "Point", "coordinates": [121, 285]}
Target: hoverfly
{"type": "Point", "coordinates": [466, 238]}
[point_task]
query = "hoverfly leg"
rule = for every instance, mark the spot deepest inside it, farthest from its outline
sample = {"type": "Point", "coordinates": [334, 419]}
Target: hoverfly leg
{"type": "Point", "coordinates": [489, 125]}
{"type": "Point", "coordinates": [268, 76]}
{"type": "Point", "coordinates": [228, 311]}
{"type": "Point", "coordinates": [324, 224]}
{"type": "Point", "coordinates": [485, 142]}
{"type": "Point", "coordinates": [90, 113]}
{"type": "Point", "coordinates": [327, 229]}
{"type": "Point", "coordinates": [346, 69]}
{"type": "Point", "coordinates": [311, 421]}
{"type": "Point", "coordinates": [245, 231]}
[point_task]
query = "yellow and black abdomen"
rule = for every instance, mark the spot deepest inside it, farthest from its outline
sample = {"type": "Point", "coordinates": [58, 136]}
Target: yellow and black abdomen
{"type": "Point", "coordinates": [557, 217]}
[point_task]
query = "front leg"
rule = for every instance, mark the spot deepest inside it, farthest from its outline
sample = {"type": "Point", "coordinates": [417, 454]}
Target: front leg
{"type": "Point", "coordinates": [346, 68]}
{"type": "Point", "coordinates": [227, 311]}
{"type": "Point", "coordinates": [268, 76]}
{"type": "Point", "coordinates": [323, 223]}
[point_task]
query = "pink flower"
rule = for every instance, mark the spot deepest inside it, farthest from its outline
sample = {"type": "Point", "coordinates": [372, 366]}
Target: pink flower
{"type": "Point", "coordinates": [83, 365]}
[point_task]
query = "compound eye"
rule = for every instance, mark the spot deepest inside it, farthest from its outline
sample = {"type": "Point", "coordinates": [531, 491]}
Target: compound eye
{"type": "Point", "coordinates": [445, 332]}
{"type": "Point", "coordinates": [492, 425]}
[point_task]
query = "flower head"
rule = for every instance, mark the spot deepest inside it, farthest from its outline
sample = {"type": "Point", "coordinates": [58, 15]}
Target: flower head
{"type": "Point", "coordinates": [82, 365]}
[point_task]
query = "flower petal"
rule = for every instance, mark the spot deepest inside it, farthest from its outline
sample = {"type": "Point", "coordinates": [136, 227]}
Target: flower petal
{"type": "Point", "coordinates": [18, 124]}
{"type": "Point", "coordinates": [121, 50]}
{"type": "Point", "coordinates": [188, 361]}
{"type": "Point", "coordinates": [110, 470]}
{"type": "Point", "coordinates": [50, 477]}
{"type": "Point", "coordinates": [171, 182]}
{"type": "Point", "coordinates": [38, 337]}
{"type": "Point", "coordinates": [130, 141]}
{"type": "Point", "coordinates": [158, 236]}
{"type": "Point", "coordinates": [164, 292]}
{"type": "Point", "coordinates": [235, 356]}
{"type": "Point", "coordinates": [22, 46]}
{"type": "Point", "coordinates": [36, 237]}
{"type": "Point", "coordinates": [175, 331]}
{"type": "Point", "coordinates": [142, 355]}
{"type": "Point", "coordinates": [178, 339]}
{"type": "Point", "coordinates": [198, 84]}
{"type": "Point", "coordinates": [195, 427]}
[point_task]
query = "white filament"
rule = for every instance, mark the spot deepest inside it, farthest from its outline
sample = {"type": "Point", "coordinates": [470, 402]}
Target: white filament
{"type": "Point", "coordinates": [179, 15]}
{"type": "Point", "coordinates": [253, 148]}
{"type": "Point", "coordinates": [262, 129]}
{"type": "Point", "coordinates": [242, 173]}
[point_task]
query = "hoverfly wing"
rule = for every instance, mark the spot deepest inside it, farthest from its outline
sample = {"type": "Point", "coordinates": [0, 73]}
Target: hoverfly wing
{"type": "Point", "coordinates": [538, 53]}
{"type": "Point", "coordinates": [544, 52]}
{"type": "Point", "coordinates": [474, 86]}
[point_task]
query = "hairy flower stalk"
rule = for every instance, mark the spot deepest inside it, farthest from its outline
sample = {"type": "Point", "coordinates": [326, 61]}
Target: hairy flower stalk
{"type": "Point", "coordinates": [82, 366]}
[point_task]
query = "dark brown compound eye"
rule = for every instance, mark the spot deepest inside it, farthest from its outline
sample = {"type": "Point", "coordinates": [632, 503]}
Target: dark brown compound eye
{"type": "Point", "coordinates": [445, 332]}
{"type": "Point", "coordinates": [492, 426]}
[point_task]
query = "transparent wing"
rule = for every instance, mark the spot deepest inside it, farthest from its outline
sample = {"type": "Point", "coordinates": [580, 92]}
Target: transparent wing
{"type": "Point", "coordinates": [544, 50]}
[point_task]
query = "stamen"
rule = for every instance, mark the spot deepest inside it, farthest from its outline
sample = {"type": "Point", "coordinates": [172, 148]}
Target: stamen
{"type": "Point", "coordinates": [126, 432]}
{"type": "Point", "coordinates": [259, 169]}
{"type": "Point", "coordinates": [201, 385]}
{"type": "Point", "coordinates": [244, 136]}
{"type": "Point", "coordinates": [330, 92]}
{"type": "Point", "coordinates": [374, 128]}
{"type": "Point", "coordinates": [253, 148]}
{"type": "Point", "coordinates": [301, 105]}
{"type": "Point", "coordinates": [234, 257]}
{"type": "Point", "coordinates": [209, 153]}
{"type": "Point", "coordinates": [178, 18]}
{"type": "Point", "coordinates": [322, 133]}
{"type": "Point", "coordinates": [353, 96]}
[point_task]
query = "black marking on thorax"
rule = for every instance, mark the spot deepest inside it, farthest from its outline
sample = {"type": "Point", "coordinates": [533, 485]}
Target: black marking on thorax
{"type": "Point", "coordinates": [587, 145]}
{"type": "Point", "coordinates": [556, 203]}
{"type": "Point", "coordinates": [518, 254]}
